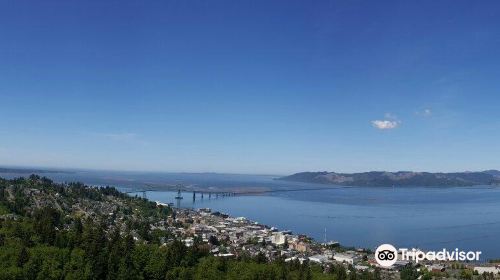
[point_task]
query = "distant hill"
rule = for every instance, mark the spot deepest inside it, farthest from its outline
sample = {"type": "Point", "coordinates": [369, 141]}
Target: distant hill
{"type": "Point", "coordinates": [29, 171]}
{"type": "Point", "coordinates": [400, 178]}
{"type": "Point", "coordinates": [495, 173]}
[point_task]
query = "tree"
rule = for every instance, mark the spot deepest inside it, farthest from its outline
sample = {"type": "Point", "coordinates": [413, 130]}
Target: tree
{"type": "Point", "coordinates": [339, 272]}
{"type": "Point", "coordinates": [75, 234]}
{"type": "Point", "coordinates": [180, 273]}
{"type": "Point", "coordinates": [127, 270]}
{"type": "Point", "coordinates": [466, 274]}
{"type": "Point", "coordinates": [213, 240]}
{"type": "Point", "coordinates": [261, 258]}
{"type": "Point", "coordinates": [75, 268]}
{"type": "Point", "coordinates": [45, 222]}
{"type": "Point", "coordinates": [22, 257]}
{"type": "Point", "coordinates": [409, 273]}
{"type": "Point", "coordinates": [156, 267]}
{"type": "Point", "coordinates": [209, 268]}
{"type": "Point", "coordinates": [46, 262]}
{"type": "Point", "coordinates": [94, 245]}
{"type": "Point", "coordinates": [176, 253]}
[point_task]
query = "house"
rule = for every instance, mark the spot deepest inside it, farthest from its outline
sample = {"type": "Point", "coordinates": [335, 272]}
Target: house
{"type": "Point", "coordinates": [300, 246]}
{"type": "Point", "coordinates": [318, 259]}
{"type": "Point", "coordinates": [301, 260]}
{"type": "Point", "coordinates": [345, 258]}
{"type": "Point", "coordinates": [278, 238]}
{"type": "Point", "coordinates": [436, 268]}
{"type": "Point", "coordinates": [488, 269]}
{"type": "Point", "coordinates": [188, 242]}
{"type": "Point", "coordinates": [361, 267]}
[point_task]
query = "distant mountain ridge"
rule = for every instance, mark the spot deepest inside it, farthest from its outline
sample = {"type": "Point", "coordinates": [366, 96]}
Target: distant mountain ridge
{"type": "Point", "coordinates": [400, 178]}
{"type": "Point", "coordinates": [30, 171]}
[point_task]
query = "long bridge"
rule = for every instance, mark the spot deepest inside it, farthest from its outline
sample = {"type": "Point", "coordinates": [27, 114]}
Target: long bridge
{"type": "Point", "coordinates": [179, 188]}
{"type": "Point", "coordinates": [202, 192]}
{"type": "Point", "coordinates": [221, 193]}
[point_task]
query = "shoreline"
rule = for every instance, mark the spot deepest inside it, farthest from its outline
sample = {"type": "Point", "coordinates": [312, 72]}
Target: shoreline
{"type": "Point", "coordinates": [317, 238]}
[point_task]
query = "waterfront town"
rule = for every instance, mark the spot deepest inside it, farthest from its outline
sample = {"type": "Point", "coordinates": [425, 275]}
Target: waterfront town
{"type": "Point", "coordinates": [231, 237]}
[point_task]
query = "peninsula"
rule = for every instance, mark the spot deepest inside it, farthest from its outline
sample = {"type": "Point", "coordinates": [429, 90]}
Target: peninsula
{"type": "Point", "coordinates": [400, 178]}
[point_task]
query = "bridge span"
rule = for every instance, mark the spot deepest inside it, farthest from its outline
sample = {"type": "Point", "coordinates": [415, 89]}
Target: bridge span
{"type": "Point", "coordinates": [222, 193]}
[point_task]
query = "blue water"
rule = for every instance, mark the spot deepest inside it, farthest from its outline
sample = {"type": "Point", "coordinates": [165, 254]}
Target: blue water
{"type": "Point", "coordinates": [467, 218]}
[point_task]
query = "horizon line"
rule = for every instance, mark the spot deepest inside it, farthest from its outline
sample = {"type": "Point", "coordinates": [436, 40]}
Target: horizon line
{"type": "Point", "coordinates": [54, 168]}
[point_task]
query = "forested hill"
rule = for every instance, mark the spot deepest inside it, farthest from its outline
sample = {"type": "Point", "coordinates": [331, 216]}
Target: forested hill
{"type": "Point", "coordinates": [401, 178]}
{"type": "Point", "coordinates": [72, 231]}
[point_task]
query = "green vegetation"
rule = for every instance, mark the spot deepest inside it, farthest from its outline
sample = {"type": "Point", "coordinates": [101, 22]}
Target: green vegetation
{"type": "Point", "coordinates": [71, 231]}
{"type": "Point", "coordinates": [409, 273]}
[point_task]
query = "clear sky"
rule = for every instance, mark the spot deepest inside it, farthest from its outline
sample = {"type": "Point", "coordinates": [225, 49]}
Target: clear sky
{"type": "Point", "coordinates": [250, 86]}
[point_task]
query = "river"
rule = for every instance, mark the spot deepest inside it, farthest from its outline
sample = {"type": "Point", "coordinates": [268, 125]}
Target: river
{"type": "Point", "coordinates": [467, 218]}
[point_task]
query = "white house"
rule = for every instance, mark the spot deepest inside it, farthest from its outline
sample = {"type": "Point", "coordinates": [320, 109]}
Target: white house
{"type": "Point", "coordinates": [318, 258]}
{"type": "Point", "coordinates": [487, 269]}
{"type": "Point", "coordinates": [344, 258]}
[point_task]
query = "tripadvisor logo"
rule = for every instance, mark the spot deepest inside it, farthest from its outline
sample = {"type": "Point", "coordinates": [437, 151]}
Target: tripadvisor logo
{"type": "Point", "coordinates": [386, 255]}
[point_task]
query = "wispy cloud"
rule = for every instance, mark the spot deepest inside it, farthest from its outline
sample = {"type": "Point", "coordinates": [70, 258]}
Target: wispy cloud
{"type": "Point", "coordinates": [425, 112]}
{"type": "Point", "coordinates": [385, 124]}
{"type": "Point", "coordinates": [390, 116]}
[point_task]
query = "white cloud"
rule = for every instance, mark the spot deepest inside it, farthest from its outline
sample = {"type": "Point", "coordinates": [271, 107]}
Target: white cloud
{"type": "Point", "coordinates": [385, 124]}
{"type": "Point", "coordinates": [390, 121]}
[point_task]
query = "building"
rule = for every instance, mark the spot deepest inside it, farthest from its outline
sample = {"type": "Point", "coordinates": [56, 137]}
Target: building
{"type": "Point", "coordinates": [278, 238]}
{"type": "Point", "coordinates": [188, 242]}
{"type": "Point", "coordinates": [301, 246]}
{"type": "Point", "coordinates": [345, 258]}
{"type": "Point", "coordinates": [318, 259]}
{"type": "Point", "coordinates": [436, 268]}
{"type": "Point", "coordinates": [488, 269]}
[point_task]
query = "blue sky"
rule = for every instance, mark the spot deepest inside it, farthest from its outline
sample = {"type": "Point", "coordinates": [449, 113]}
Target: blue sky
{"type": "Point", "coordinates": [250, 86]}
